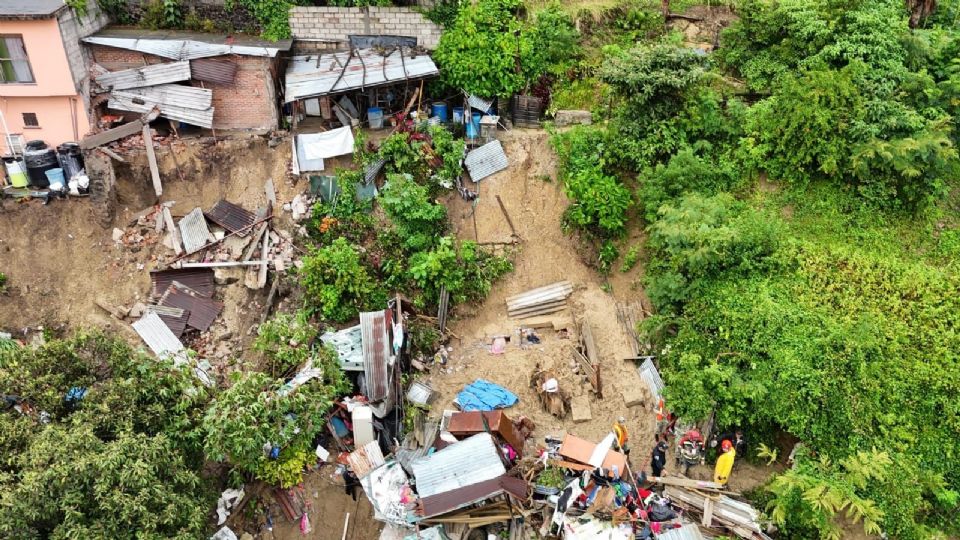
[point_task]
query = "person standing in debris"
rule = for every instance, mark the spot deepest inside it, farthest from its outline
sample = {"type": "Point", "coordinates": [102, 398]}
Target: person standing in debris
{"type": "Point", "coordinates": [661, 417]}
{"type": "Point", "coordinates": [658, 458]}
{"type": "Point", "coordinates": [721, 473]}
{"type": "Point", "coordinates": [350, 483]}
{"type": "Point", "coordinates": [620, 432]}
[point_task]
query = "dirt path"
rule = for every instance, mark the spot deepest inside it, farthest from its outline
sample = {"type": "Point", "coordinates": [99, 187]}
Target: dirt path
{"type": "Point", "coordinates": [535, 202]}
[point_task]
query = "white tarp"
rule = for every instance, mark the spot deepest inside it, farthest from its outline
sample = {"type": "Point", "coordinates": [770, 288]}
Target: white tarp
{"type": "Point", "coordinates": [328, 144]}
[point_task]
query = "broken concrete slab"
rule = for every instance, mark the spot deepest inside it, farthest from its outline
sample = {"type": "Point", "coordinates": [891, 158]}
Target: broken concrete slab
{"type": "Point", "coordinates": [633, 395]}
{"type": "Point", "coordinates": [580, 409]}
{"type": "Point", "coordinates": [572, 118]}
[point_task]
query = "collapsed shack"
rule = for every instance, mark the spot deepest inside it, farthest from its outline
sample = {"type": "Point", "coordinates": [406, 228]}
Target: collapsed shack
{"type": "Point", "coordinates": [372, 81]}
{"type": "Point", "coordinates": [206, 80]}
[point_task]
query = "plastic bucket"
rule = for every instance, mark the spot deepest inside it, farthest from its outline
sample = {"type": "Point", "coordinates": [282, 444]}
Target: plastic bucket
{"type": "Point", "coordinates": [473, 127]}
{"type": "Point", "coordinates": [439, 110]}
{"type": "Point", "coordinates": [16, 172]}
{"type": "Point", "coordinates": [375, 117]}
{"type": "Point", "coordinates": [55, 178]}
{"type": "Point", "coordinates": [458, 115]}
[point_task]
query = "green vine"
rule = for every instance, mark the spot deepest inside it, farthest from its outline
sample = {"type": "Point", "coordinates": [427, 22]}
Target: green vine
{"type": "Point", "coordinates": [78, 6]}
{"type": "Point", "coordinates": [273, 15]}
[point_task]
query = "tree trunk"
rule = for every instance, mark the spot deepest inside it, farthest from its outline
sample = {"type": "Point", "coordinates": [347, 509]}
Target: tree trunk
{"type": "Point", "coordinates": [665, 9]}
{"type": "Point", "coordinates": [919, 10]}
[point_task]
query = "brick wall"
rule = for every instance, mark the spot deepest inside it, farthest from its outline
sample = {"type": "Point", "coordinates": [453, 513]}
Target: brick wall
{"type": "Point", "coordinates": [250, 103]}
{"type": "Point", "coordinates": [328, 27]}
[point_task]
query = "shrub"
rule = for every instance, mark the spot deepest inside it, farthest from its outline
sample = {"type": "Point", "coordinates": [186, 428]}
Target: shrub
{"type": "Point", "coordinates": [419, 221]}
{"type": "Point", "coordinates": [686, 172]}
{"type": "Point", "coordinates": [337, 283]}
{"type": "Point", "coordinates": [285, 341]}
{"type": "Point", "coordinates": [461, 267]}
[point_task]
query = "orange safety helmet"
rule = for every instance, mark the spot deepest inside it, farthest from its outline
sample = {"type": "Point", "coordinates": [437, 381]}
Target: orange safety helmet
{"type": "Point", "coordinates": [726, 445]}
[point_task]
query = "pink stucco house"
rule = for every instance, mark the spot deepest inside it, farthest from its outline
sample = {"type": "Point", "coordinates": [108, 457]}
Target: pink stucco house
{"type": "Point", "coordinates": [43, 87]}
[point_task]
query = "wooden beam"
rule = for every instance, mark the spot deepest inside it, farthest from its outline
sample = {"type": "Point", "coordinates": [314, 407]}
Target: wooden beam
{"type": "Point", "coordinates": [217, 264]}
{"type": "Point", "coordinates": [513, 231]}
{"type": "Point", "coordinates": [173, 232]}
{"type": "Point", "coordinates": [119, 132]}
{"type": "Point", "coordinates": [152, 160]}
{"type": "Point", "coordinates": [110, 153]}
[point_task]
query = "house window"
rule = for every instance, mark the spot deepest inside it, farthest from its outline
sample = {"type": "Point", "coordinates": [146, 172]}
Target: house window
{"type": "Point", "coordinates": [14, 65]}
{"type": "Point", "coordinates": [30, 120]}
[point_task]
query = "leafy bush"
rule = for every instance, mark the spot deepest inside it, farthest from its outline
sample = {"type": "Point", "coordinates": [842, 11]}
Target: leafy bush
{"type": "Point", "coordinates": [285, 341]}
{"type": "Point", "coordinates": [259, 413]}
{"type": "Point", "coordinates": [686, 172]}
{"type": "Point", "coordinates": [553, 44]}
{"type": "Point", "coordinates": [419, 221]}
{"type": "Point", "coordinates": [466, 271]}
{"type": "Point", "coordinates": [599, 200]}
{"type": "Point", "coordinates": [126, 457]}
{"type": "Point", "coordinates": [337, 283]}
{"type": "Point", "coordinates": [273, 15]}
{"type": "Point", "coordinates": [346, 216]}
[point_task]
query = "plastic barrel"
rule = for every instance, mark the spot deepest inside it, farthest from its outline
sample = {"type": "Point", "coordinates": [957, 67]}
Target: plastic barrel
{"type": "Point", "coordinates": [375, 117]}
{"type": "Point", "coordinates": [16, 172]}
{"type": "Point", "coordinates": [71, 159]}
{"type": "Point", "coordinates": [458, 115]}
{"type": "Point", "coordinates": [55, 178]}
{"type": "Point", "coordinates": [38, 162]}
{"type": "Point", "coordinates": [473, 127]}
{"type": "Point", "coordinates": [439, 109]}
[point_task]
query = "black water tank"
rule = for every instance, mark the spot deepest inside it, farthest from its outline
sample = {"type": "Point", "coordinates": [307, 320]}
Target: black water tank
{"type": "Point", "coordinates": [39, 160]}
{"type": "Point", "coordinates": [71, 160]}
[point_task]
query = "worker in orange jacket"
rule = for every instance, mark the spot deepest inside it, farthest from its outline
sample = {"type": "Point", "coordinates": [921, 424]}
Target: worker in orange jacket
{"type": "Point", "coordinates": [620, 432]}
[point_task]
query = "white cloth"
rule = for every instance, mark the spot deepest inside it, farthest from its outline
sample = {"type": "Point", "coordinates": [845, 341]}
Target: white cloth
{"type": "Point", "coordinates": [328, 144]}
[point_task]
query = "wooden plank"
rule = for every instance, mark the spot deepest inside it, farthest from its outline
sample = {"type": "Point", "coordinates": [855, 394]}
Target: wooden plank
{"type": "Point", "coordinates": [262, 277]}
{"type": "Point", "coordinates": [707, 512]}
{"type": "Point", "coordinates": [271, 193]}
{"type": "Point", "coordinates": [119, 132]}
{"type": "Point", "coordinates": [110, 153]}
{"type": "Point", "coordinates": [223, 264]}
{"type": "Point", "coordinates": [173, 231]}
{"type": "Point", "coordinates": [680, 481]}
{"type": "Point", "coordinates": [152, 160]}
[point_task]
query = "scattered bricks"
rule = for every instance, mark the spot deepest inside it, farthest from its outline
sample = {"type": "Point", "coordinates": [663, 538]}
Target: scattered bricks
{"type": "Point", "coordinates": [580, 409]}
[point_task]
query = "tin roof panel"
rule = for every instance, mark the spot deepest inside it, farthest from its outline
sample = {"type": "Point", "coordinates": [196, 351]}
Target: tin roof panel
{"type": "Point", "coordinates": [486, 160]}
{"type": "Point", "coordinates": [150, 75]}
{"type": "Point", "coordinates": [465, 463]}
{"type": "Point", "coordinates": [333, 73]}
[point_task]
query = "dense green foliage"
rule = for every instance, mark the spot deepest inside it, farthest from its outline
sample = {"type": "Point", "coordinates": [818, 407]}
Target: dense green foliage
{"type": "Point", "coordinates": [273, 15]}
{"type": "Point", "coordinates": [285, 341]}
{"type": "Point", "coordinates": [492, 50]}
{"type": "Point", "coordinates": [122, 462]}
{"type": "Point", "coordinates": [259, 412]}
{"type": "Point", "coordinates": [337, 283]}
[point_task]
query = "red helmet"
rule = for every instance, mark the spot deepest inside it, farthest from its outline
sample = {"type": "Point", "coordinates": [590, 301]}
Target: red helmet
{"type": "Point", "coordinates": [726, 445]}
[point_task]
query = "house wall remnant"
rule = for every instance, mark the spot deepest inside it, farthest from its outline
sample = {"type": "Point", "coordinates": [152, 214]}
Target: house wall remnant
{"type": "Point", "coordinates": [326, 28]}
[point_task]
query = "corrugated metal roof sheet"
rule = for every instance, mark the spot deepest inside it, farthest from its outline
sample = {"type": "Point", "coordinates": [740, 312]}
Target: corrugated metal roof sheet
{"type": "Point", "coordinates": [347, 343]}
{"type": "Point", "coordinates": [203, 310]}
{"type": "Point", "coordinates": [687, 531]}
{"type": "Point", "coordinates": [376, 353]}
{"type": "Point", "coordinates": [436, 505]}
{"type": "Point", "coordinates": [232, 217]}
{"type": "Point", "coordinates": [366, 458]}
{"type": "Point", "coordinates": [198, 279]}
{"type": "Point", "coordinates": [176, 102]}
{"type": "Point", "coordinates": [159, 338]}
{"type": "Point", "coordinates": [648, 372]}
{"type": "Point", "coordinates": [153, 75]}
{"type": "Point", "coordinates": [486, 160]}
{"type": "Point", "coordinates": [541, 295]}
{"type": "Point", "coordinates": [194, 231]}
{"type": "Point", "coordinates": [216, 71]}
{"type": "Point", "coordinates": [470, 461]}
{"type": "Point", "coordinates": [175, 318]}
{"type": "Point", "coordinates": [482, 105]}
{"type": "Point", "coordinates": [372, 170]}
{"type": "Point", "coordinates": [463, 424]}
{"type": "Point", "coordinates": [310, 76]}
{"type": "Point", "coordinates": [419, 393]}
{"type": "Point", "coordinates": [185, 49]}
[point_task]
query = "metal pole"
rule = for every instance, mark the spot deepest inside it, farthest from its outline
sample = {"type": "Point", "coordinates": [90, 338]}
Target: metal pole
{"type": "Point", "coordinates": [6, 131]}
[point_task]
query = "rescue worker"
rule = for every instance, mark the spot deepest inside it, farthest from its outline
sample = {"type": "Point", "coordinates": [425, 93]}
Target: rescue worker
{"type": "Point", "coordinates": [661, 417]}
{"type": "Point", "coordinates": [658, 458]}
{"type": "Point", "coordinates": [721, 473]}
{"type": "Point", "coordinates": [620, 432]}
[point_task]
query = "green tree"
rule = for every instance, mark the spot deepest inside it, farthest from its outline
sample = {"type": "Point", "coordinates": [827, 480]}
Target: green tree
{"type": "Point", "coordinates": [419, 220]}
{"type": "Point", "coordinates": [337, 283]}
{"type": "Point", "coordinates": [285, 341]}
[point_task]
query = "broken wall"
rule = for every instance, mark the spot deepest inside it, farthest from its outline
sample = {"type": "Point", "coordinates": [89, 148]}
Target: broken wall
{"type": "Point", "coordinates": [327, 28]}
{"type": "Point", "coordinates": [249, 103]}
{"type": "Point", "coordinates": [103, 187]}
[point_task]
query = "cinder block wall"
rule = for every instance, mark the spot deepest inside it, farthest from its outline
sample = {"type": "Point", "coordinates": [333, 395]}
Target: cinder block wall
{"type": "Point", "coordinates": [248, 104]}
{"type": "Point", "coordinates": [334, 24]}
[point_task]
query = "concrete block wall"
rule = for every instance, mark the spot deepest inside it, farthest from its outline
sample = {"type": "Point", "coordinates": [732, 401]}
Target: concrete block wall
{"type": "Point", "coordinates": [250, 103]}
{"type": "Point", "coordinates": [73, 28]}
{"type": "Point", "coordinates": [333, 25]}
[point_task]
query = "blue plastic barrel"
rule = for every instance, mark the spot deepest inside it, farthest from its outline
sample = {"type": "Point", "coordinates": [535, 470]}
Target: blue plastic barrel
{"type": "Point", "coordinates": [458, 115]}
{"type": "Point", "coordinates": [473, 128]}
{"type": "Point", "coordinates": [54, 177]}
{"type": "Point", "coordinates": [439, 110]}
{"type": "Point", "coordinates": [375, 117]}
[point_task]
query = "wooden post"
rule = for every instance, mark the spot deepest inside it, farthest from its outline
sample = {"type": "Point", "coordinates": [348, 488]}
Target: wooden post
{"type": "Point", "coordinates": [707, 512]}
{"type": "Point", "coordinates": [513, 231]}
{"type": "Point", "coordinates": [152, 160]}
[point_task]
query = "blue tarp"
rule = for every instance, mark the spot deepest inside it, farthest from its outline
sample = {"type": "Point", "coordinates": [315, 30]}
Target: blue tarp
{"type": "Point", "coordinates": [483, 395]}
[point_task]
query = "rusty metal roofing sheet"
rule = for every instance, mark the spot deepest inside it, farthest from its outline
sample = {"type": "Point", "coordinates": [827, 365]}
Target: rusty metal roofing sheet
{"type": "Point", "coordinates": [194, 231]}
{"type": "Point", "coordinates": [151, 75]}
{"type": "Point", "coordinates": [176, 102]}
{"type": "Point", "coordinates": [203, 310]}
{"type": "Point", "coordinates": [310, 76]}
{"type": "Point", "coordinates": [175, 318]}
{"type": "Point", "coordinates": [198, 279]}
{"type": "Point", "coordinates": [452, 500]}
{"type": "Point", "coordinates": [465, 463]}
{"type": "Point", "coordinates": [180, 45]}
{"type": "Point", "coordinates": [463, 424]}
{"type": "Point", "coordinates": [159, 338]}
{"type": "Point", "coordinates": [232, 217]}
{"type": "Point", "coordinates": [213, 70]}
{"type": "Point", "coordinates": [366, 458]}
{"type": "Point", "coordinates": [375, 343]}
{"type": "Point", "coordinates": [486, 160]}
